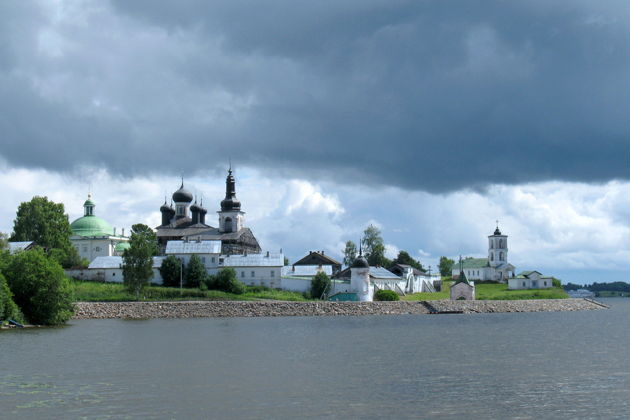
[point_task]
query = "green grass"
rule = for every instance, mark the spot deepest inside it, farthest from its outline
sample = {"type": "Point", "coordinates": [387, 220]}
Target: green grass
{"type": "Point", "coordinates": [88, 291]}
{"type": "Point", "coordinates": [493, 291]}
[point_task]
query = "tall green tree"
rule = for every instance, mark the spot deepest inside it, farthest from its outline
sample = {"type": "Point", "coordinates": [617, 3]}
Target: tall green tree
{"type": "Point", "coordinates": [349, 253]}
{"type": "Point", "coordinates": [40, 287]}
{"type": "Point", "coordinates": [45, 223]}
{"type": "Point", "coordinates": [374, 247]}
{"type": "Point", "coordinates": [138, 258]}
{"type": "Point", "coordinates": [8, 308]}
{"type": "Point", "coordinates": [4, 241]}
{"type": "Point", "coordinates": [446, 266]}
{"type": "Point", "coordinates": [171, 271]}
{"type": "Point", "coordinates": [195, 272]}
{"type": "Point", "coordinates": [404, 258]}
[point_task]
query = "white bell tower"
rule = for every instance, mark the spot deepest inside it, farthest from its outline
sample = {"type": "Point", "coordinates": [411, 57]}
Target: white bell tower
{"type": "Point", "coordinates": [497, 248]}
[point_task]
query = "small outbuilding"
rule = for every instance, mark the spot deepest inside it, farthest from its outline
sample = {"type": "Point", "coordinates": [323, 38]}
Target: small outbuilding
{"type": "Point", "coordinates": [463, 289]}
{"type": "Point", "coordinates": [530, 280]}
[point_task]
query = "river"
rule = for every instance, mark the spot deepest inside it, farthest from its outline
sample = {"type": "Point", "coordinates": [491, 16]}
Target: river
{"type": "Point", "coordinates": [484, 366]}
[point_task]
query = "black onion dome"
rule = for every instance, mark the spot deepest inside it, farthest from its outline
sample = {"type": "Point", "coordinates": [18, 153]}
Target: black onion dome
{"type": "Point", "coordinates": [230, 202]}
{"type": "Point", "coordinates": [497, 231]}
{"type": "Point", "coordinates": [195, 207]}
{"type": "Point", "coordinates": [360, 262]}
{"type": "Point", "coordinates": [182, 195]}
{"type": "Point", "coordinates": [165, 208]}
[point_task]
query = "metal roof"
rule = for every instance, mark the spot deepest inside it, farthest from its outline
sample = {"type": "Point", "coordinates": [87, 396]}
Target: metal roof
{"type": "Point", "coordinates": [382, 273]}
{"type": "Point", "coordinates": [193, 247]}
{"type": "Point", "coordinates": [471, 263]}
{"type": "Point", "coordinates": [306, 270]}
{"type": "Point", "coordinates": [253, 260]}
{"type": "Point", "coordinates": [106, 262]}
{"type": "Point", "coordinates": [100, 263]}
{"type": "Point", "coordinates": [19, 246]}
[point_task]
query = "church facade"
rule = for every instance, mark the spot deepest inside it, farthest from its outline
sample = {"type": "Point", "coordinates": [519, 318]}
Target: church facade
{"type": "Point", "coordinates": [493, 268]}
{"type": "Point", "coordinates": [186, 221]}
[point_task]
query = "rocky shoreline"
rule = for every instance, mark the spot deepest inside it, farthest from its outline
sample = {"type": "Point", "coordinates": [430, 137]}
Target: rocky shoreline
{"type": "Point", "coordinates": [206, 309]}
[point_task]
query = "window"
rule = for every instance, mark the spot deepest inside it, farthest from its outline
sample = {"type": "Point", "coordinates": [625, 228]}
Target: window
{"type": "Point", "coordinates": [97, 249]}
{"type": "Point", "coordinates": [273, 273]}
{"type": "Point", "coordinates": [180, 210]}
{"type": "Point", "coordinates": [85, 249]}
{"type": "Point", "coordinates": [213, 260]}
{"type": "Point", "coordinates": [242, 274]}
{"type": "Point", "coordinates": [545, 283]}
{"type": "Point", "coordinates": [492, 257]}
{"type": "Point", "coordinates": [523, 284]}
{"type": "Point", "coordinates": [113, 274]}
{"type": "Point", "coordinates": [253, 274]}
{"type": "Point", "coordinates": [203, 260]}
{"type": "Point", "coordinates": [501, 256]}
{"type": "Point", "coordinates": [228, 224]}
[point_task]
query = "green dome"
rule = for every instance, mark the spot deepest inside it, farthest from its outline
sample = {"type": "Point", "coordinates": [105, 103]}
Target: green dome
{"type": "Point", "coordinates": [121, 246]}
{"type": "Point", "coordinates": [91, 226]}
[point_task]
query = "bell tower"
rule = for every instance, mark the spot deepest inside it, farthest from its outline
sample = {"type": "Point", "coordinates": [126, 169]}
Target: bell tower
{"type": "Point", "coordinates": [497, 248]}
{"type": "Point", "coordinates": [231, 218]}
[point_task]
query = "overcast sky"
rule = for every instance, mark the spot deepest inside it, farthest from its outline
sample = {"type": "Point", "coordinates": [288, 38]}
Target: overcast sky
{"type": "Point", "coordinates": [430, 119]}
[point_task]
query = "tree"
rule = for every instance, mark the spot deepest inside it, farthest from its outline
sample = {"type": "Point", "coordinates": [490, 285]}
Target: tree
{"type": "Point", "coordinates": [45, 223]}
{"type": "Point", "coordinates": [404, 258]}
{"type": "Point", "coordinates": [138, 258]}
{"type": "Point", "coordinates": [374, 248]}
{"type": "Point", "coordinates": [446, 266]}
{"type": "Point", "coordinates": [171, 271]}
{"type": "Point", "coordinates": [8, 308]}
{"type": "Point", "coordinates": [195, 272]}
{"type": "Point", "coordinates": [226, 281]}
{"type": "Point", "coordinates": [40, 288]}
{"type": "Point", "coordinates": [4, 241]}
{"type": "Point", "coordinates": [320, 285]}
{"type": "Point", "coordinates": [349, 253]}
{"type": "Point", "coordinates": [286, 261]}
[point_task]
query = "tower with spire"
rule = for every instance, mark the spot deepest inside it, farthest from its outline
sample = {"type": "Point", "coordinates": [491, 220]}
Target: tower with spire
{"type": "Point", "coordinates": [231, 218]}
{"type": "Point", "coordinates": [497, 248]}
{"type": "Point", "coordinates": [360, 278]}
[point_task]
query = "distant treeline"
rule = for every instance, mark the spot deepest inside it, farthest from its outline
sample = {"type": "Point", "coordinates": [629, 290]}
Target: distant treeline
{"type": "Point", "coordinates": [617, 286]}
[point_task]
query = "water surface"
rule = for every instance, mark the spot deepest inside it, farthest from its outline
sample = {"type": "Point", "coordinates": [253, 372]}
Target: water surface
{"type": "Point", "coordinates": [525, 366]}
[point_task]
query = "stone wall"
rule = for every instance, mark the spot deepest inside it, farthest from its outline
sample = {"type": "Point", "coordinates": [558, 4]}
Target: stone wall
{"type": "Point", "coordinates": [200, 309]}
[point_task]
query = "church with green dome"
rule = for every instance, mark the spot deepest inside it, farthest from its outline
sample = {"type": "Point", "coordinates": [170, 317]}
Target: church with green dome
{"type": "Point", "coordinates": [94, 237]}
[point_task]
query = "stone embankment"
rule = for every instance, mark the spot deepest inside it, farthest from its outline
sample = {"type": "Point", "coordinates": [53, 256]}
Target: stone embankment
{"type": "Point", "coordinates": [204, 309]}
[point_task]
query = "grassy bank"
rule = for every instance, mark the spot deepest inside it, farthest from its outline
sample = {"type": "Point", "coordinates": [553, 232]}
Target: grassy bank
{"type": "Point", "coordinates": [88, 291]}
{"type": "Point", "coordinates": [493, 291]}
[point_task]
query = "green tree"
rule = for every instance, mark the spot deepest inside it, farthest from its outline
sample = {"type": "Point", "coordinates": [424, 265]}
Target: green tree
{"type": "Point", "coordinates": [8, 308]}
{"type": "Point", "coordinates": [320, 285]}
{"type": "Point", "coordinates": [404, 258]}
{"type": "Point", "coordinates": [349, 253]}
{"type": "Point", "coordinates": [226, 281]}
{"type": "Point", "coordinates": [286, 261]}
{"type": "Point", "coordinates": [374, 247]}
{"type": "Point", "coordinates": [45, 223]}
{"type": "Point", "coordinates": [195, 272]}
{"type": "Point", "coordinates": [40, 287]}
{"type": "Point", "coordinates": [446, 266]}
{"type": "Point", "coordinates": [138, 258]}
{"type": "Point", "coordinates": [4, 241]}
{"type": "Point", "coordinates": [171, 271]}
{"type": "Point", "coordinates": [386, 295]}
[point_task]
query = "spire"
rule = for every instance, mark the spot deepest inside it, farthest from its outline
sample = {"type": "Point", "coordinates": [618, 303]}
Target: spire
{"type": "Point", "coordinates": [230, 203]}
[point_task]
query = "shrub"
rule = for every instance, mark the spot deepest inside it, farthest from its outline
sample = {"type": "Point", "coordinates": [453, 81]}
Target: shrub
{"type": "Point", "coordinates": [8, 308]}
{"type": "Point", "coordinates": [171, 271]}
{"type": "Point", "coordinates": [386, 295]}
{"type": "Point", "coordinates": [40, 287]}
{"type": "Point", "coordinates": [195, 272]}
{"type": "Point", "coordinates": [556, 282]}
{"type": "Point", "coordinates": [320, 285]}
{"type": "Point", "coordinates": [226, 281]}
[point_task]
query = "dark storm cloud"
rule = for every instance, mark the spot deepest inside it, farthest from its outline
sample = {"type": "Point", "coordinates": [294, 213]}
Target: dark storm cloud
{"type": "Point", "coordinates": [430, 95]}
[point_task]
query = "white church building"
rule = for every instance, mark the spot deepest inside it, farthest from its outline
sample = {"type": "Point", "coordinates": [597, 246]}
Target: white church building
{"type": "Point", "coordinates": [493, 268]}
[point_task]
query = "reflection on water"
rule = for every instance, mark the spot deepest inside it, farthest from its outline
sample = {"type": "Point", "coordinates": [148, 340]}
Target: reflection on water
{"type": "Point", "coordinates": [534, 365]}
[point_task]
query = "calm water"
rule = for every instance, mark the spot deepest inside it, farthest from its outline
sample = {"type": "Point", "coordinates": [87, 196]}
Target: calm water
{"type": "Point", "coordinates": [526, 366]}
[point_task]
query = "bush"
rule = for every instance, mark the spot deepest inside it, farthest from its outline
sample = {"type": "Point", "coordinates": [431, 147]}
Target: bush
{"type": "Point", "coordinates": [320, 285]}
{"type": "Point", "coordinates": [556, 282]}
{"type": "Point", "coordinates": [386, 295]}
{"type": "Point", "coordinates": [8, 308]}
{"type": "Point", "coordinates": [195, 272]}
{"type": "Point", "coordinates": [40, 287]}
{"type": "Point", "coordinates": [171, 271]}
{"type": "Point", "coordinates": [226, 281]}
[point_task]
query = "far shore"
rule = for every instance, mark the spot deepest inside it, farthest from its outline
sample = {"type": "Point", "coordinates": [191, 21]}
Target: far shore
{"type": "Point", "coordinates": [216, 309]}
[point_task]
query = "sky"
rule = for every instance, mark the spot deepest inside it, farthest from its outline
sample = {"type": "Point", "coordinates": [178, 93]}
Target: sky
{"type": "Point", "coordinates": [429, 119]}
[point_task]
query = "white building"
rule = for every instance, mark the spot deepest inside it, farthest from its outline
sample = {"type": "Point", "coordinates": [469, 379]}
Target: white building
{"type": "Point", "coordinates": [208, 252]}
{"type": "Point", "coordinates": [361, 281]}
{"type": "Point", "coordinates": [530, 280]}
{"type": "Point", "coordinates": [297, 278]}
{"type": "Point", "coordinates": [416, 281]}
{"type": "Point", "coordinates": [93, 237]}
{"type": "Point", "coordinates": [20, 246]}
{"type": "Point", "coordinates": [256, 269]}
{"type": "Point", "coordinates": [109, 269]}
{"type": "Point", "coordinates": [493, 268]}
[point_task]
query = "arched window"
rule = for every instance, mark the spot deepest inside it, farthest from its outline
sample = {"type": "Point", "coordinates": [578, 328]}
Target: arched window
{"type": "Point", "coordinates": [500, 256]}
{"type": "Point", "coordinates": [500, 243]}
{"type": "Point", "coordinates": [228, 224]}
{"type": "Point", "coordinates": [491, 244]}
{"type": "Point", "coordinates": [492, 256]}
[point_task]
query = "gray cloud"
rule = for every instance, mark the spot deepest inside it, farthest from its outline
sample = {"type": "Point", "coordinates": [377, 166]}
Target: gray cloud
{"type": "Point", "coordinates": [421, 95]}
